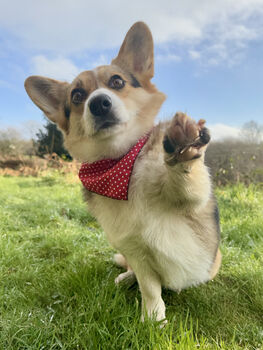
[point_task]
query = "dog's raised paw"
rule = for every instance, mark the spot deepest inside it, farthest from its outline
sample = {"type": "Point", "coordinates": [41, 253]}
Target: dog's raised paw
{"type": "Point", "coordinates": [184, 138]}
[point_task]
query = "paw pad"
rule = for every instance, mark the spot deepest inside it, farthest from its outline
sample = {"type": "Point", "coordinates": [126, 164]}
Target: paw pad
{"type": "Point", "coordinates": [185, 138]}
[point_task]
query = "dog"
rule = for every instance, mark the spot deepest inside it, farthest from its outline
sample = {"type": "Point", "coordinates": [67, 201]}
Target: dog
{"type": "Point", "coordinates": [146, 184]}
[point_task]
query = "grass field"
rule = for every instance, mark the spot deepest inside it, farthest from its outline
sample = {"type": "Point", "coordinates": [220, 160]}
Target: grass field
{"type": "Point", "coordinates": [57, 278]}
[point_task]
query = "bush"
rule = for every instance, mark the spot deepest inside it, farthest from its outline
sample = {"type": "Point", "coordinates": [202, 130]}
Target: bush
{"type": "Point", "coordinates": [235, 161]}
{"type": "Point", "coordinates": [12, 144]}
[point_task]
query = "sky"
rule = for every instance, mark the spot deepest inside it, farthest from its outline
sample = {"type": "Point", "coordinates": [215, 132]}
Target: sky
{"type": "Point", "coordinates": [208, 54]}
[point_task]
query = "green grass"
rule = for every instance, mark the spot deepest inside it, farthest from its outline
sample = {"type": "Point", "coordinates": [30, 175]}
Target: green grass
{"type": "Point", "coordinates": [57, 278]}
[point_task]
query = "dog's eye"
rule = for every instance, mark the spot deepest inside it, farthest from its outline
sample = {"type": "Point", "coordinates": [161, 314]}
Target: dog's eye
{"type": "Point", "coordinates": [116, 82]}
{"type": "Point", "coordinates": [78, 96]}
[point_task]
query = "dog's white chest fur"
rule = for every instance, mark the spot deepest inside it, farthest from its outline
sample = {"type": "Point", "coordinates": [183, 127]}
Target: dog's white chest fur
{"type": "Point", "coordinates": [177, 254]}
{"type": "Point", "coordinates": [156, 238]}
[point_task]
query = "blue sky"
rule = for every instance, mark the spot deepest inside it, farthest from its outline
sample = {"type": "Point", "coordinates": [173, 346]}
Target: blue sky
{"type": "Point", "coordinates": [208, 53]}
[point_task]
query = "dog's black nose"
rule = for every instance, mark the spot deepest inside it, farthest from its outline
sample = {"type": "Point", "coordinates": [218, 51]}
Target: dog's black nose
{"type": "Point", "coordinates": [100, 105]}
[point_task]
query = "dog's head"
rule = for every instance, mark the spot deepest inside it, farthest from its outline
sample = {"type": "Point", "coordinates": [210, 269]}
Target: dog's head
{"type": "Point", "coordinates": [104, 111]}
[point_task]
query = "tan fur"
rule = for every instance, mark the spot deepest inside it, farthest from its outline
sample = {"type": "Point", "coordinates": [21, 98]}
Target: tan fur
{"type": "Point", "coordinates": [216, 266]}
{"type": "Point", "coordinates": [121, 261]}
{"type": "Point", "coordinates": [166, 232]}
{"type": "Point", "coordinates": [138, 40]}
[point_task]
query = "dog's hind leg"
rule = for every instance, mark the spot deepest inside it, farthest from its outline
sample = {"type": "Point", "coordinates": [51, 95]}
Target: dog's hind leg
{"type": "Point", "coordinates": [120, 260]}
{"type": "Point", "coordinates": [128, 276]}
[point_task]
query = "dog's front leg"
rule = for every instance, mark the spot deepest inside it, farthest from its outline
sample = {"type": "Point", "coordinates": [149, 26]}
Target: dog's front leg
{"type": "Point", "coordinates": [184, 143]}
{"type": "Point", "coordinates": [149, 281]}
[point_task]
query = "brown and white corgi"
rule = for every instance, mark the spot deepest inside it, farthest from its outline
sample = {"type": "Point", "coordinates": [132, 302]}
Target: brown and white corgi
{"type": "Point", "coordinates": [163, 218]}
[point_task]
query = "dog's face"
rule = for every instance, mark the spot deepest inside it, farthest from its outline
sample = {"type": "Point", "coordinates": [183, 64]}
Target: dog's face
{"type": "Point", "coordinates": [104, 111]}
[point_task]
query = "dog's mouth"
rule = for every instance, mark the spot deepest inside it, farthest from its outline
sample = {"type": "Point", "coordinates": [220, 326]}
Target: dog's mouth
{"type": "Point", "coordinates": [104, 124]}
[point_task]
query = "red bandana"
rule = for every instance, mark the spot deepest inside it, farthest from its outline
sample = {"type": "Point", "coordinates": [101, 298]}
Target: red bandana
{"type": "Point", "coordinates": [111, 177]}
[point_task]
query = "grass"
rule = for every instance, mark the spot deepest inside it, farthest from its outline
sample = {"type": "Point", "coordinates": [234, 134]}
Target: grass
{"type": "Point", "coordinates": [57, 279]}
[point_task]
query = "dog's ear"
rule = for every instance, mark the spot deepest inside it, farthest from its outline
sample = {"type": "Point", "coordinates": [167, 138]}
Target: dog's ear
{"type": "Point", "coordinates": [49, 95]}
{"type": "Point", "coordinates": [136, 52]}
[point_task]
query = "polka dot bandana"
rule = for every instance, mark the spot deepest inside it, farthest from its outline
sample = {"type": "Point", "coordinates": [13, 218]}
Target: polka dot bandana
{"type": "Point", "coordinates": [111, 177]}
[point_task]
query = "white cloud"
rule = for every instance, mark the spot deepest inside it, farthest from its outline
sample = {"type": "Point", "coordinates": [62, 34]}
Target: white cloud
{"type": "Point", "coordinates": [194, 54]}
{"type": "Point", "coordinates": [169, 57]}
{"type": "Point", "coordinates": [228, 47]}
{"type": "Point", "coordinates": [62, 68]}
{"type": "Point", "coordinates": [100, 61]}
{"type": "Point", "coordinates": [58, 68]}
{"type": "Point", "coordinates": [66, 27]}
{"type": "Point", "coordinates": [222, 131]}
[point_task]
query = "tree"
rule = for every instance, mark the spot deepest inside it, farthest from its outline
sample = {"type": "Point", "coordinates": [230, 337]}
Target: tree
{"type": "Point", "coordinates": [50, 141]}
{"type": "Point", "coordinates": [252, 132]}
{"type": "Point", "coordinates": [12, 143]}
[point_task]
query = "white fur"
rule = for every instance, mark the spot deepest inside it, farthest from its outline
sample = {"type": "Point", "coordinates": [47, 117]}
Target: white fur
{"type": "Point", "coordinates": [164, 241]}
{"type": "Point", "coordinates": [157, 242]}
{"type": "Point", "coordinates": [118, 109]}
{"type": "Point", "coordinates": [151, 229]}
{"type": "Point", "coordinates": [91, 146]}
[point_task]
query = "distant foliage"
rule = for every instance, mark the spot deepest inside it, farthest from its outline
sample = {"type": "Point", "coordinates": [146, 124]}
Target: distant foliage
{"type": "Point", "coordinates": [231, 161]}
{"type": "Point", "coordinates": [50, 141]}
{"type": "Point", "coordinates": [235, 161]}
{"type": "Point", "coordinates": [12, 144]}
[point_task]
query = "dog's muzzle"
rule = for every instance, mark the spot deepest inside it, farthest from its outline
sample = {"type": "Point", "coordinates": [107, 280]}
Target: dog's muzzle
{"type": "Point", "coordinates": [100, 105]}
{"type": "Point", "coordinates": [101, 108]}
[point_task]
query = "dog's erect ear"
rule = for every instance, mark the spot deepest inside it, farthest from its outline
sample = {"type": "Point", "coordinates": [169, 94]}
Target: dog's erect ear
{"type": "Point", "coordinates": [49, 95]}
{"type": "Point", "coordinates": [136, 52]}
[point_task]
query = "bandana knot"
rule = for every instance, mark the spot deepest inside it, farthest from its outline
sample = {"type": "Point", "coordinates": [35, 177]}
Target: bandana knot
{"type": "Point", "coordinates": [111, 177]}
